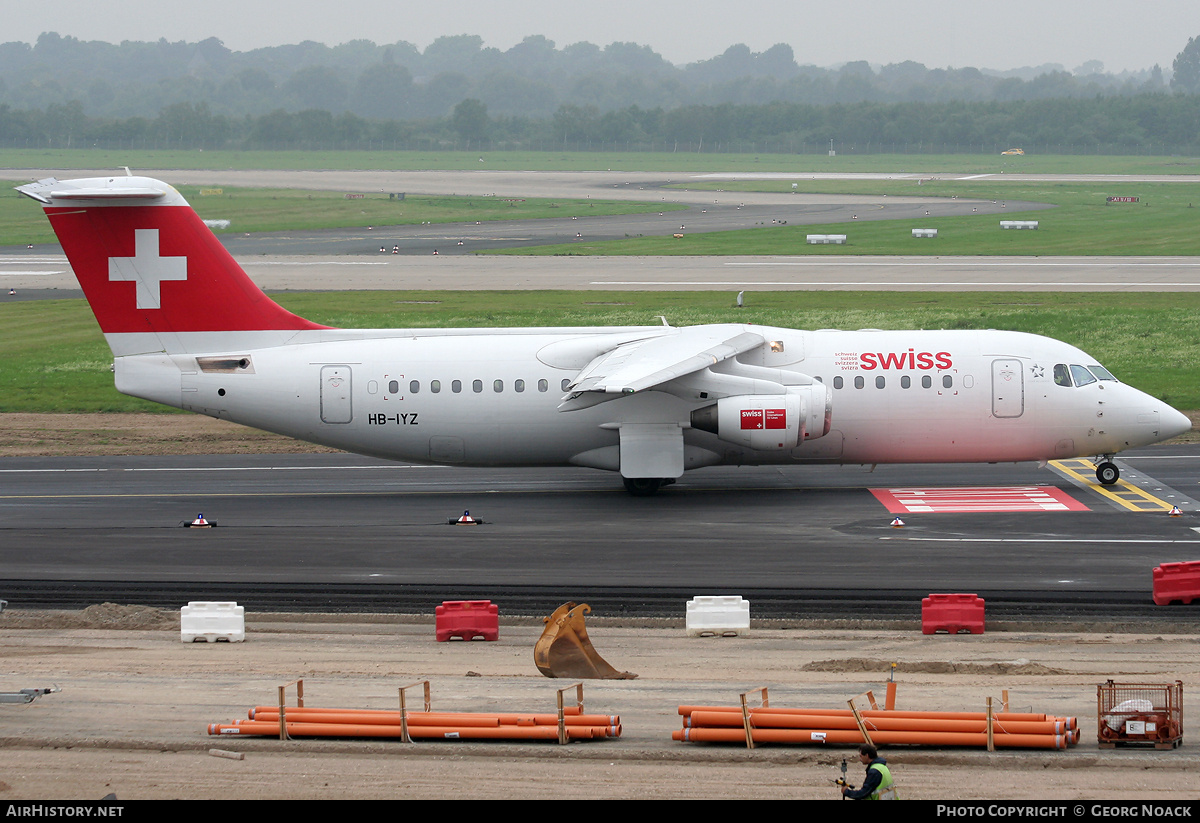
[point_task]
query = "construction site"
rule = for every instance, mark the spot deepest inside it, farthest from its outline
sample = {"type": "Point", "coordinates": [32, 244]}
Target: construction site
{"type": "Point", "coordinates": [127, 710]}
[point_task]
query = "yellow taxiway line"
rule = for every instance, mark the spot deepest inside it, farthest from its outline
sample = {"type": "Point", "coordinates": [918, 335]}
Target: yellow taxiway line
{"type": "Point", "coordinates": [1122, 493]}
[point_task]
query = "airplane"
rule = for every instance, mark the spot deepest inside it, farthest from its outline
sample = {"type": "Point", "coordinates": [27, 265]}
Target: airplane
{"type": "Point", "coordinates": [189, 329]}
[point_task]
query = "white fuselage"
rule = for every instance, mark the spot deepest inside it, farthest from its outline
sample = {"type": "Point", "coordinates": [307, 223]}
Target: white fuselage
{"type": "Point", "coordinates": [491, 397]}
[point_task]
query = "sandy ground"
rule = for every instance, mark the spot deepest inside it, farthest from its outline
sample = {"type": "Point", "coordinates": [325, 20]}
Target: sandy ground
{"type": "Point", "coordinates": [135, 701]}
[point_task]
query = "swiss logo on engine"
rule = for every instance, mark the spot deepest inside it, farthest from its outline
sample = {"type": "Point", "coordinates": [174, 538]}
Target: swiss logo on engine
{"type": "Point", "coordinates": [764, 419]}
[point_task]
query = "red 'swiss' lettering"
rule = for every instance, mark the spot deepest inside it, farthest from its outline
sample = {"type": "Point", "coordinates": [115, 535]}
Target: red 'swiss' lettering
{"type": "Point", "coordinates": [910, 359]}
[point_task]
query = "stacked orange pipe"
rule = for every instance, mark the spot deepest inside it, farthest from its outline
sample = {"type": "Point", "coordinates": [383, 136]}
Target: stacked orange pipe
{"type": "Point", "coordinates": [724, 724]}
{"type": "Point", "coordinates": [325, 722]}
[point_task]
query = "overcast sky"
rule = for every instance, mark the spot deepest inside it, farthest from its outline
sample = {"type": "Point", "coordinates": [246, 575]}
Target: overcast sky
{"type": "Point", "coordinates": [996, 34]}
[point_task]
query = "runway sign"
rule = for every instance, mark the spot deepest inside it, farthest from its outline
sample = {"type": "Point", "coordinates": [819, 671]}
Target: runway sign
{"type": "Point", "coordinates": [977, 499]}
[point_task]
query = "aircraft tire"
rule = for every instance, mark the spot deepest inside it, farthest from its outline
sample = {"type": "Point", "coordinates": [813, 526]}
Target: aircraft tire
{"type": "Point", "coordinates": [643, 486]}
{"type": "Point", "coordinates": [1107, 473]}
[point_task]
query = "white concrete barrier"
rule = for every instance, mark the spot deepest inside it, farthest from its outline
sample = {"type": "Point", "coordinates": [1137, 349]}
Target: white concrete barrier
{"type": "Point", "coordinates": [718, 615]}
{"type": "Point", "coordinates": [212, 621]}
{"type": "Point", "coordinates": [924, 232]}
{"type": "Point", "coordinates": [814, 239]}
{"type": "Point", "coordinates": [1018, 224]}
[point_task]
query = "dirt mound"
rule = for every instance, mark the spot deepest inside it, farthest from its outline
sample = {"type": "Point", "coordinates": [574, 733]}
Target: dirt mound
{"type": "Point", "coordinates": [860, 664]}
{"type": "Point", "coordinates": [101, 616]}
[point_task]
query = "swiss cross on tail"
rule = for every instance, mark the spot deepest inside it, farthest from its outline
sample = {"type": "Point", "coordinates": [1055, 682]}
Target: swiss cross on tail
{"type": "Point", "coordinates": [148, 264]}
{"type": "Point", "coordinates": [147, 268]}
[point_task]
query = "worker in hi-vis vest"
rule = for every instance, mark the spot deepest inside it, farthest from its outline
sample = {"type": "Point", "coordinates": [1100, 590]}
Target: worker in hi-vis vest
{"type": "Point", "coordinates": [878, 784]}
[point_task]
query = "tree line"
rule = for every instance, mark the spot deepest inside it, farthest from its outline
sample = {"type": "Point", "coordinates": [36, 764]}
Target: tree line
{"type": "Point", "coordinates": [534, 78]}
{"type": "Point", "coordinates": [1151, 124]}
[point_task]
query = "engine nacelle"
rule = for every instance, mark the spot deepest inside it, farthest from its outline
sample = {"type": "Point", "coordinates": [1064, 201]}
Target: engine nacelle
{"type": "Point", "coordinates": [769, 422]}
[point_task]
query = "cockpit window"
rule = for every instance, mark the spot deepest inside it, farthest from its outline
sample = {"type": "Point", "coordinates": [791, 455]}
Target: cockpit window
{"type": "Point", "coordinates": [1062, 376]}
{"type": "Point", "coordinates": [1102, 373]}
{"type": "Point", "coordinates": [1081, 375]}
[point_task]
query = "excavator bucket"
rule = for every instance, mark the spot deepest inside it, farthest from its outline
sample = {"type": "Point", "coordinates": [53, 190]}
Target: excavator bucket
{"type": "Point", "coordinates": [564, 650]}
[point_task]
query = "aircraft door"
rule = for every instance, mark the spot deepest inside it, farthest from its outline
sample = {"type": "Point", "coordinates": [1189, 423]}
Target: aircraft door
{"type": "Point", "coordinates": [1008, 388]}
{"type": "Point", "coordinates": [335, 394]}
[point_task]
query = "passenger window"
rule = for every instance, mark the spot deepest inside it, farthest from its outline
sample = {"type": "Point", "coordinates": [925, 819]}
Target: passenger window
{"type": "Point", "coordinates": [543, 385]}
{"type": "Point", "coordinates": [837, 382]}
{"type": "Point", "coordinates": [926, 381]}
{"type": "Point", "coordinates": [1062, 377]}
{"type": "Point", "coordinates": [414, 386]}
{"type": "Point", "coordinates": [393, 387]}
{"type": "Point", "coordinates": [905, 382]}
{"type": "Point", "coordinates": [947, 381]}
{"type": "Point", "coordinates": [477, 386]}
{"type": "Point", "coordinates": [456, 386]}
{"type": "Point", "coordinates": [435, 386]}
{"type": "Point", "coordinates": [498, 386]}
{"type": "Point", "coordinates": [1081, 375]}
{"type": "Point", "coordinates": [859, 382]}
{"type": "Point", "coordinates": [880, 382]}
{"type": "Point", "coordinates": [566, 382]}
{"type": "Point", "coordinates": [518, 385]}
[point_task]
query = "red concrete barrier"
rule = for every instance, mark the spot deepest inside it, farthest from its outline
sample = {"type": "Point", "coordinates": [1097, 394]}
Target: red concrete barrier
{"type": "Point", "coordinates": [952, 613]}
{"type": "Point", "coordinates": [1177, 582]}
{"type": "Point", "coordinates": [467, 619]}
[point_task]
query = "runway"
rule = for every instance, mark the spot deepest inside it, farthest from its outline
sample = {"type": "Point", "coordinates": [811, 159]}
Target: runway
{"type": "Point", "coordinates": [331, 532]}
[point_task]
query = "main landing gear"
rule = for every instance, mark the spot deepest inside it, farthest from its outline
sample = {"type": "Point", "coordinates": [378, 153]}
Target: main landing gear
{"type": "Point", "coordinates": [1107, 472]}
{"type": "Point", "coordinates": [646, 486]}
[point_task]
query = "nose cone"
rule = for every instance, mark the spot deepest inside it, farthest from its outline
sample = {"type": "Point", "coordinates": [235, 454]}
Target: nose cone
{"type": "Point", "coordinates": [1174, 423]}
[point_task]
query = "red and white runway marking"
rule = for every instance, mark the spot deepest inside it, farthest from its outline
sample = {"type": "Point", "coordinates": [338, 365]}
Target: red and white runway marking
{"type": "Point", "coordinates": [977, 499]}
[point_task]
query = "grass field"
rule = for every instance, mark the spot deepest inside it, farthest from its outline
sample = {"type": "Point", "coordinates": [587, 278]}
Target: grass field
{"type": "Point", "coordinates": [53, 358]}
{"type": "Point", "coordinates": [1164, 221]}
{"type": "Point", "coordinates": [261, 210]}
{"type": "Point", "coordinates": [595, 161]}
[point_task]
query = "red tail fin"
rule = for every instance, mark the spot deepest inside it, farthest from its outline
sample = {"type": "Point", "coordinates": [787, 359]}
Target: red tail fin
{"type": "Point", "coordinates": [147, 263]}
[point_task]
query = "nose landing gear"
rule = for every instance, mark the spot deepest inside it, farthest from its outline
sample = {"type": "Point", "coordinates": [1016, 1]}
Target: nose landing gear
{"type": "Point", "coordinates": [1107, 472]}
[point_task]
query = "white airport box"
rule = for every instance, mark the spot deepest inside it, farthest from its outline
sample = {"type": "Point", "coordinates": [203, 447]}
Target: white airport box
{"type": "Point", "coordinates": [924, 232]}
{"type": "Point", "coordinates": [1018, 224]}
{"type": "Point", "coordinates": [819, 239]}
{"type": "Point", "coordinates": [212, 621]}
{"type": "Point", "coordinates": [718, 615]}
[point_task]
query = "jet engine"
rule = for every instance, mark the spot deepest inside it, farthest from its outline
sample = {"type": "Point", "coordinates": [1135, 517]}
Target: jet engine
{"type": "Point", "coordinates": [769, 422]}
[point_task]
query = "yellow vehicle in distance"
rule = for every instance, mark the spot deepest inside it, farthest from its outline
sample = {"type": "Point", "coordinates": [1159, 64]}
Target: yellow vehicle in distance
{"type": "Point", "coordinates": [1012, 152]}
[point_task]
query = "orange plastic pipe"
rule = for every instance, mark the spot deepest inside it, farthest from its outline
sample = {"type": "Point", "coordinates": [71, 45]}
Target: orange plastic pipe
{"type": "Point", "coordinates": [1034, 716]}
{"type": "Point", "coordinates": [790, 721]}
{"type": "Point", "coordinates": [262, 728]}
{"type": "Point", "coordinates": [853, 738]}
{"type": "Point", "coordinates": [431, 718]}
{"type": "Point", "coordinates": [567, 710]}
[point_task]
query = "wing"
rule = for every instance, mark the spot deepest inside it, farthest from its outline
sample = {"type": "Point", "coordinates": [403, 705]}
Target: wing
{"type": "Point", "coordinates": [644, 364]}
